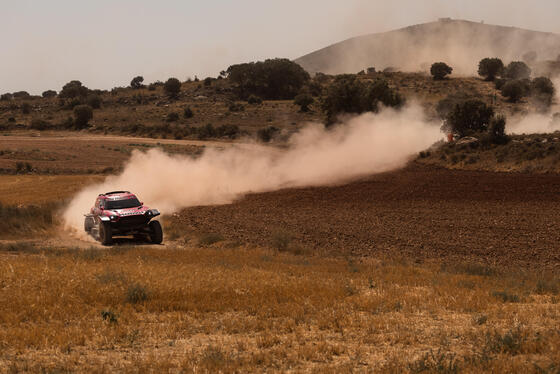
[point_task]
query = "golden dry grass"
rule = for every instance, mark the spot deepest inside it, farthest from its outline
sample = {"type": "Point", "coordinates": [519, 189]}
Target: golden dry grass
{"type": "Point", "coordinates": [236, 309]}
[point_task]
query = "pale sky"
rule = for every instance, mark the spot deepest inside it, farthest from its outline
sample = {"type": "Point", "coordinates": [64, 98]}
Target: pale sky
{"type": "Point", "coordinates": [104, 43]}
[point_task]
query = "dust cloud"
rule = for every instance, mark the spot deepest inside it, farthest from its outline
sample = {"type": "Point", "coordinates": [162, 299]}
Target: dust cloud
{"type": "Point", "coordinates": [366, 144]}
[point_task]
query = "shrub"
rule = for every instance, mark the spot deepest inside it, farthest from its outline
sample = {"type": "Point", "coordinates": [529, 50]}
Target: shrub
{"type": "Point", "coordinates": [39, 124]}
{"type": "Point", "coordinates": [468, 117]}
{"type": "Point", "coordinates": [26, 108]}
{"type": "Point", "coordinates": [48, 93]}
{"type": "Point", "coordinates": [514, 90]}
{"type": "Point", "coordinates": [267, 134]}
{"type": "Point", "coordinates": [208, 81]}
{"type": "Point", "coordinates": [172, 87]}
{"type": "Point", "coordinates": [136, 82]}
{"type": "Point", "coordinates": [304, 100]}
{"type": "Point", "coordinates": [490, 68]}
{"type": "Point", "coordinates": [254, 99]}
{"type": "Point", "coordinates": [188, 113]}
{"type": "Point", "coordinates": [207, 131]}
{"type": "Point", "coordinates": [227, 131]}
{"type": "Point", "coordinates": [235, 107]}
{"type": "Point", "coordinates": [172, 117]}
{"type": "Point", "coordinates": [73, 89]}
{"type": "Point", "coordinates": [496, 130]}
{"type": "Point", "coordinates": [499, 83]}
{"type": "Point", "coordinates": [209, 239]}
{"type": "Point", "coordinates": [82, 115]}
{"type": "Point", "coordinates": [23, 167]}
{"type": "Point", "coordinates": [6, 96]}
{"type": "Point", "coordinates": [136, 294]}
{"type": "Point", "coordinates": [440, 70]}
{"type": "Point", "coordinates": [281, 241]}
{"type": "Point", "coordinates": [271, 79]}
{"type": "Point", "coordinates": [94, 101]}
{"type": "Point", "coordinates": [517, 70]}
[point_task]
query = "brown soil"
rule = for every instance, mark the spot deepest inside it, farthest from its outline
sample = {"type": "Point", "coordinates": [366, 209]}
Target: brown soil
{"type": "Point", "coordinates": [419, 213]}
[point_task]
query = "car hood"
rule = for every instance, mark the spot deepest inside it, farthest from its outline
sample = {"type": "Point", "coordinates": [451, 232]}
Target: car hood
{"type": "Point", "coordinates": [130, 211]}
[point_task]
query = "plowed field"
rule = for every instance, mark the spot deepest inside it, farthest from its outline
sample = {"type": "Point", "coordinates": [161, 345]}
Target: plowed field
{"type": "Point", "coordinates": [417, 213]}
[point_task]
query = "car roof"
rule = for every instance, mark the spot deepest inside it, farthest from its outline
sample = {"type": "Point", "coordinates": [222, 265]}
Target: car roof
{"type": "Point", "coordinates": [117, 195]}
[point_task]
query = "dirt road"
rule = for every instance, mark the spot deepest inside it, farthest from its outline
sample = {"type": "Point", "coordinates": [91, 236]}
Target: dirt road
{"type": "Point", "coordinates": [418, 213]}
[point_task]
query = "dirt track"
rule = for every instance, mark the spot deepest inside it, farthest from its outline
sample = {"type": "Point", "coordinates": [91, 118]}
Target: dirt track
{"type": "Point", "coordinates": [417, 213]}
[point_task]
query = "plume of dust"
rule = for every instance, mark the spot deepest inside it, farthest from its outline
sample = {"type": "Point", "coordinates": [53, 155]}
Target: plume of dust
{"type": "Point", "coordinates": [369, 143]}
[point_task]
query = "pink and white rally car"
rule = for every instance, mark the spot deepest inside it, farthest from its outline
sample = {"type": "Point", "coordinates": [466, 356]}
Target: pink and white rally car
{"type": "Point", "coordinates": [119, 213]}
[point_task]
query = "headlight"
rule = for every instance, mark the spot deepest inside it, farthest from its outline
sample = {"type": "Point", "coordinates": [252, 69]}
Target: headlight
{"type": "Point", "coordinates": [113, 218]}
{"type": "Point", "coordinates": [149, 212]}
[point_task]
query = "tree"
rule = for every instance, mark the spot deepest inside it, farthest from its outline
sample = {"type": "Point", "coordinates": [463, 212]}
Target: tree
{"type": "Point", "coordinates": [136, 82]}
{"type": "Point", "coordinates": [440, 69]}
{"type": "Point", "coordinates": [48, 93]}
{"type": "Point", "coordinates": [73, 89]}
{"type": "Point", "coordinates": [517, 70]}
{"type": "Point", "coordinates": [468, 117]}
{"type": "Point", "coordinates": [490, 68]}
{"type": "Point", "coordinates": [94, 101]}
{"type": "Point", "coordinates": [172, 87]}
{"type": "Point", "coordinates": [304, 100]}
{"type": "Point", "coordinates": [496, 130]}
{"type": "Point", "coordinates": [347, 94]}
{"type": "Point", "coordinates": [514, 90]}
{"type": "Point", "coordinates": [82, 115]}
{"type": "Point", "coordinates": [273, 79]}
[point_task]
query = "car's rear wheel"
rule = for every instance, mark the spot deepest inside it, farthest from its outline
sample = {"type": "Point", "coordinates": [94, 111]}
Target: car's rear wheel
{"type": "Point", "coordinates": [156, 233]}
{"type": "Point", "coordinates": [105, 233]}
{"type": "Point", "coordinates": [88, 224]}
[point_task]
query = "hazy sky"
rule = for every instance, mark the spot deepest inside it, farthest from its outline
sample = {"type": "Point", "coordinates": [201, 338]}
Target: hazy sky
{"type": "Point", "coordinates": [104, 43]}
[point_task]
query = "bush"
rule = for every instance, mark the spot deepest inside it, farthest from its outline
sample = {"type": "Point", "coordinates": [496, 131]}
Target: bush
{"type": "Point", "coordinates": [39, 124]}
{"type": "Point", "coordinates": [136, 82]}
{"type": "Point", "coordinates": [514, 90]}
{"type": "Point", "coordinates": [440, 70]}
{"type": "Point", "coordinates": [272, 79]}
{"type": "Point", "coordinates": [267, 134]}
{"type": "Point", "coordinates": [136, 294]}
{"type": "Point", "coordinates": [468, 117]}
{"type": "Point", "coordinates": [172, 117]}
{"type": "Point", "coordinates": [82, 115]}
{"type": "Point", "coordinates": [254, 99]}
{"type": "Point", "coordinates": [26, 108]}
{"type": "Point", "coordinates": [6, 96]}
{"type": "Point", "coordinates": [490, 68]}
{"type": "Point", "coordinates": [235, 107]}
{"type": "Point", "coordinates": [497, 130]}
{"type": "Point", "coordinates": [207, 131]}
{"type": "Point", "coordinates": [94, 101]}
{"type": "Point", "coordinates": [48, 93]}
{"type": "Point", "coordinates": [172, 87]}
{"type": "Point", "coordinates": [446, 105]}
{"type": "Point", "coordinates": [23, 167]}
{"type": "Point", "coordinates": [227, 131]}
{"type": "Point", "coordinates": [304, 100]}
{"type": "Point", "coordinates": [73, 89]}
{"type": "Point", "coordinates": [499, 83]}
{"type": "Point", "coordinates": [208, 81]}
{"type": "Point", "coordinates": [188, 113]}
{"type": "Point", "coordinates": [347, 94]}
{"type": "Point", "coordinates": [517, 70]}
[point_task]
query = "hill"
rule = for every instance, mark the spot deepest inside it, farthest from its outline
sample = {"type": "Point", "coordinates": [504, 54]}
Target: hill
{"type": "Point", "coordinates": [460, 43]}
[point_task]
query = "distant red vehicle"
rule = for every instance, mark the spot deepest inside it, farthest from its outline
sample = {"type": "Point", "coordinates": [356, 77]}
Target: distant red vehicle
{"type": "Point", "coordinates": [120, 213]}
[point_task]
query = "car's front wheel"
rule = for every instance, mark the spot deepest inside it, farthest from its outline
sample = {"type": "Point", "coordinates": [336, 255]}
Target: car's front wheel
{"type": "Point", "coordinates": [105, 233]}
{"type": "Point", "coordinates": [156, 233]}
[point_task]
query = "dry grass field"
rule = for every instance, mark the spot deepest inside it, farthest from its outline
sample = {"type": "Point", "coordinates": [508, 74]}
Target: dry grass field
{"type": "Point", "coordinates": [232, 308]}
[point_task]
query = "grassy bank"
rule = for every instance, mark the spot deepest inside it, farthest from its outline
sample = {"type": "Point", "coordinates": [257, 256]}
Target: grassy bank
{"type": "Point", "coordinates": [236, 309]}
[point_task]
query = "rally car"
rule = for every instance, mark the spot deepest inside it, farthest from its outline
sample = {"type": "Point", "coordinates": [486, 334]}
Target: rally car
{"type": "Point", "coordinates": [120, 213]}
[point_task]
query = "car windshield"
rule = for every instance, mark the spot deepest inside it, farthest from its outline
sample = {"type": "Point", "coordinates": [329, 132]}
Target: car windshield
{"type": "Point", "coordinates": [122, 204]}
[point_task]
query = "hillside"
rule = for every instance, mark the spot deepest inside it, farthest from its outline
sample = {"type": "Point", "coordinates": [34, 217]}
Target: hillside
{"type": "Point", "coordinates": [459, 43]}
